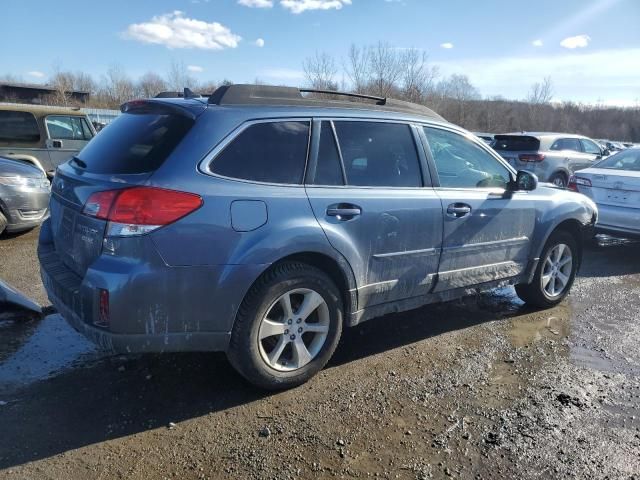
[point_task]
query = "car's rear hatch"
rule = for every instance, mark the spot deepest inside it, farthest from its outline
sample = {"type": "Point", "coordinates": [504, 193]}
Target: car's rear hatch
{"type": "Point", "coordinates": [613, 187]}
{"type": "Point", "coordinates": [123, 155]}
{"type": "Point", "coordinates": [518, 150]}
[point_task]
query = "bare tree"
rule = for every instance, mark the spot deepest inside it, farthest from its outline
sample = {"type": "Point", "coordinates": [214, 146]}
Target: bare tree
{"type": "Point", "coordinates": [150, 84]}
{"type": "Point", "coordinates": [541, 92]}
{"type": "Point", "coordinates": [118, 87]}
{"type": "Point", "coordinates": [385, 69]}
{"type": "Point", "coordinates": [178, 77]}
{"type": "Point", "coordinates": [418, 77]}
{"type": "Point", "coordinates": [455, 94]}
{"type": "Point", "coordinates": [320, 71]}
{"type": "Point", "coordinates": [357, 67]}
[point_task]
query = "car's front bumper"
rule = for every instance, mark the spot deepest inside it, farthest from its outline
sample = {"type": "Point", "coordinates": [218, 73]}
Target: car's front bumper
{"type": "Point", "coordinates": [24, 208]}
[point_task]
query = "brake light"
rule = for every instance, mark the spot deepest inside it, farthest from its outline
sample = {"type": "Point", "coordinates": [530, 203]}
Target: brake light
{"type": "Point", "coordinates": [574, 181]}
{"type": "Point", "coordinates": [139, 210]}
{"type": "Point", "coordinates": [531, 157]}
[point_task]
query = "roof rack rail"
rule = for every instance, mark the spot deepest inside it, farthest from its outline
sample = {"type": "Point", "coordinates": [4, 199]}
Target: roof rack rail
{"type": "Point", "coordinates": [242, 94]}
{"type": "Point", "coordinates": [378, 100]}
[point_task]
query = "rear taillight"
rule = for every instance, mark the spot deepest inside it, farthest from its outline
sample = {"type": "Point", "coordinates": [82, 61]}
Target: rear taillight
{"type": "Point", "coordinates": [139, 210]}
{"type": "Point", "coordinates": [531, 157]}
{"type": "Point", "coordinates": [575, 181]}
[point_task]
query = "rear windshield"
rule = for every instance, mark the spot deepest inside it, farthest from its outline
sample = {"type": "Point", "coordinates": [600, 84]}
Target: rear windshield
{"type": "Point", "coordinates": [625, 160]}
{"type": "Point", "coordinates": [516, 143]}
{"type": "Point", "coordinates": [134, 143]}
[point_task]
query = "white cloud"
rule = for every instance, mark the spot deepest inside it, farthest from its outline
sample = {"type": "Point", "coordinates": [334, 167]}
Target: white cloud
{"type": "Point", "coordinates": [282, 74]}
{"type": "Point", "coordinates": [195, 68]}
{"type": "Point", "coordinates": [299, 6]}
{"type": "Point", "coordinates": [256, 3]}
{"type": "Point", "coordinates": [575, 76]}
{"type": "Point", "coordinates": [36, 74]}
{"type": "Point", "coordinates": [174, 30]}
{"type": "Point", "coordinates": [447, 45]}
{"type": "Point", "coordinates": [537, 43]}
{"type": "Point", "coordinates": [259, 42]}
{"type": "Point", "coordinates": [579, 41]}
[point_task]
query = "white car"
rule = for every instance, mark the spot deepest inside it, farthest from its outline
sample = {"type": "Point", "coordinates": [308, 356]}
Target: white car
{"type": "Point", "coordinates": [614, 185]}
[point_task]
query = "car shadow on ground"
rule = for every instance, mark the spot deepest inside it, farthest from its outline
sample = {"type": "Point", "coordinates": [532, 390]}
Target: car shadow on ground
{"type": "Point", "coordinates": [612, 260]}
{"type": "Point", "coordinates": [115, 397]}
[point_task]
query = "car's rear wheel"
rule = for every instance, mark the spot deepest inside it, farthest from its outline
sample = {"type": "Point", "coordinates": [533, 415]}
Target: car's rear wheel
{"type": "Point", "coordinates": [559, 180]}
{"type": "Point", "coordinates": [554, 274]}
{"type": "Point", "coordinates": [287, 327]}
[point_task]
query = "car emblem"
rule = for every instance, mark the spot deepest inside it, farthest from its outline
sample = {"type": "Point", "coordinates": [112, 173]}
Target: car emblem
{"type": "Point", "coordinates": [60, 184]}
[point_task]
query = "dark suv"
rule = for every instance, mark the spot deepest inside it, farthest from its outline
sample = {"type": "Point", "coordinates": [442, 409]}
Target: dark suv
{"type": "Point", "coordinates": [261, 222]}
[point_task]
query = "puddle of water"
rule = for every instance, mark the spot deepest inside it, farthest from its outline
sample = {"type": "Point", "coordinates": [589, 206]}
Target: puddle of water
{"type": "Point", "coordinates": [551, 324]}
{"type": "Point", "coordinates": [44, 349]}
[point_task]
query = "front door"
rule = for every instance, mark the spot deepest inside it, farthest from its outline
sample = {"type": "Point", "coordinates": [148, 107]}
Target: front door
{"type": "Point", "coordinates": [487, 230]}
{"type": "Point", "coordinates": [66, 136]}
{"type": "Point", "coordinates": [367, 191]}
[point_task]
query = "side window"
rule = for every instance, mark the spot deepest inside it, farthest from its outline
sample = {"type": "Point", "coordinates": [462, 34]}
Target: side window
{"type": "Point", "coordinates": [63, 127]}
{"type": "Point", "coordinates": [379, 154]}
{"type": "Point", "coordinates": [567, 144]}
{"type": "Point", "coordinates": [18, 127]}
{"type": "Point", "coordinates": [328, 168]}
{"type": "Point", "coordinates": [88, 134]}
{"type": "Point", "coordinates": [272, 152]}
{"type": "Point", "coordinates": [462, 164]}
{"type": "Point", "coordinates": [590, 147]}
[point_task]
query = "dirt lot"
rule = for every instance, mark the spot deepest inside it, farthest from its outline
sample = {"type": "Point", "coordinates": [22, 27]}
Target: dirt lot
{"type": "Point", "coordinates": [478, 388]}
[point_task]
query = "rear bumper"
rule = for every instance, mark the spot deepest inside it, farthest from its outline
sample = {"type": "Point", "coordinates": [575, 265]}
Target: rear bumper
{"type": "Point", "coordinates": [152, 307]}
{"type": "Point", "coordinates": [139, 343]}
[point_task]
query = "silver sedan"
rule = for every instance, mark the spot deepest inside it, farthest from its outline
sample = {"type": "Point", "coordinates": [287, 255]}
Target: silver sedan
{"type": "Point", "coordinates": [614, 185]}
{"type": "Point", "coordinates": [24, 196]}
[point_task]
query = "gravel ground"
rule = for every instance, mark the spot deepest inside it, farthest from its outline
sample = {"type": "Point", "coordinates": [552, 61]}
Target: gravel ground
{"type": "Point", "coordinates": [480, 388]}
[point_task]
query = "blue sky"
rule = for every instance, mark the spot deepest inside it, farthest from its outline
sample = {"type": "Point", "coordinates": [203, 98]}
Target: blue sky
{"type": "Point", "coordinates": [590, 48]}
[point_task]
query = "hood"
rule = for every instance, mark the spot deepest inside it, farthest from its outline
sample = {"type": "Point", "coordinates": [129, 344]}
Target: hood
{"type": "Point", "coordinates": [18, 168]}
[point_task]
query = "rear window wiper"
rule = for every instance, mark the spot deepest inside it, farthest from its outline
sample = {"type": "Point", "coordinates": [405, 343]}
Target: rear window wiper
{"type": "Point", "coordinates": [78, 162]}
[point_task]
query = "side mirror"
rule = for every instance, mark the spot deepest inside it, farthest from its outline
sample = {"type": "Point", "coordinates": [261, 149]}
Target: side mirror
{"type": "Point", "coordinates": [606, 152]}
{"type": "Point", "coordinates": [525, 181]}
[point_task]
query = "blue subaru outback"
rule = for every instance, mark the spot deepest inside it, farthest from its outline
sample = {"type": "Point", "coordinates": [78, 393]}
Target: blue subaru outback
{"type": "Point", "coordinates": [262, 221]}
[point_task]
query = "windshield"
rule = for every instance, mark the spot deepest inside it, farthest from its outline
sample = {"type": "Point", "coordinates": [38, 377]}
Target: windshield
{"type": "Point", "coordinates": [625, 160]}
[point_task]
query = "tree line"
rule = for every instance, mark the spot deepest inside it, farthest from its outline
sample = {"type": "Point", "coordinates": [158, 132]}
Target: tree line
{"type": "Point", "coordinates": [381, 70]}
{"type": "Point", "coordinates": [406, 74]}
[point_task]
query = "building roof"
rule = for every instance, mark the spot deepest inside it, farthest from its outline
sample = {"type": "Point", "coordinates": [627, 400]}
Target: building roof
{"type": "Point", "coordinates": [38, 86]}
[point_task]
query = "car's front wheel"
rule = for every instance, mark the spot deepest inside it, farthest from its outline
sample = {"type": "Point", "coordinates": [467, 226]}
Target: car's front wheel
{"type": "Point", "coordinates": [287, 327]}
{"type": "Point", "coordinates": [554, 274]}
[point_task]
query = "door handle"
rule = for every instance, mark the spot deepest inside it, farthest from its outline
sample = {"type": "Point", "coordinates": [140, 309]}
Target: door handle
{"type": "Point", "coordinates": [344, 212]}
{"type": "Point", "coordinates": [457, 210]}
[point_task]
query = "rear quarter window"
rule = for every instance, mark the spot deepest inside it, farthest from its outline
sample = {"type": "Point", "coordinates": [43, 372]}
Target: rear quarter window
{"type": "Point", "coordinates": [269, 152]}
{"type": "Point", "coordinates": [18, 127]}
{"type": "Point", "coordinates": [134, 143]}
{"type": "Point", "coordinates": [516, 143]}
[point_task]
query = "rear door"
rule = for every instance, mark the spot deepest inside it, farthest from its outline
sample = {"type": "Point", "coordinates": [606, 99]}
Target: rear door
{"type": "Point", "coordinates": [67, 135]}
{"type": "Point", "coordinates": [368, 192]}
{"type": "Point", "coordinates": [487, 231]}
{"type": "Point", "coordinates": [571, 150]}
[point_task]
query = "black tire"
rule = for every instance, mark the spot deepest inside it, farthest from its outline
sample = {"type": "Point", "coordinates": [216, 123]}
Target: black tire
{"type": "Point", "coordinates": [3, 222]}
{"type": "Point", "coordinates": [559, 179]}
{"type": "Point", "coordinates": [534, 293]}
{"type": "Point", "coordinates": [244, 346]}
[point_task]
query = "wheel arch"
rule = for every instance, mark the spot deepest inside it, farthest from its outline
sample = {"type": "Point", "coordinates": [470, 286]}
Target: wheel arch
{"type": "Point", "coordinates": [574, 228]}
{"type": "Point", "coordinates": [337, 268]}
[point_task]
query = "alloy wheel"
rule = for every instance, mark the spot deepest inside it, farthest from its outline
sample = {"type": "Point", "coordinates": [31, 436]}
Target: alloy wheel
{"type": "Point", "coordinates": [294, 330]}
{"type": "Point", "coordinates": [556, 271]}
